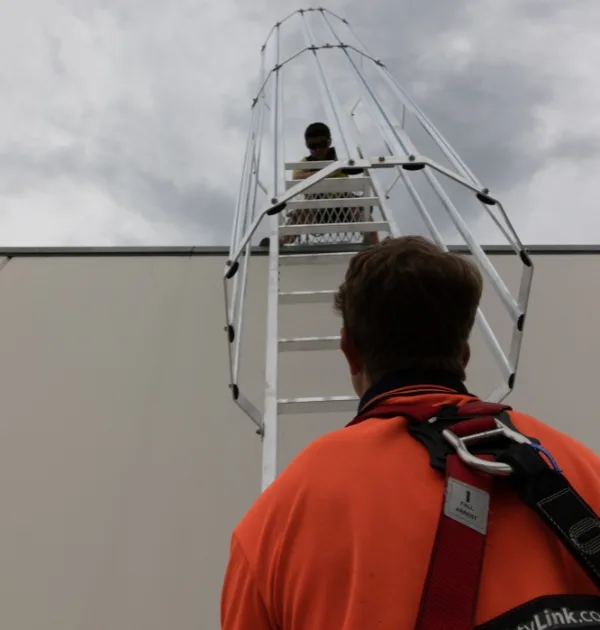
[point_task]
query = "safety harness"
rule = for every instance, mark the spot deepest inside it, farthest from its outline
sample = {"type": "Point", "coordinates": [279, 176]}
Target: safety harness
{"type": "Point", "coordinates": [473, 444]}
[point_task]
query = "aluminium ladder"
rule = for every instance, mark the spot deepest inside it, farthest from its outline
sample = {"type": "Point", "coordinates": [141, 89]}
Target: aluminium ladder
{"type": "Point", "coordinates": [370, 134]}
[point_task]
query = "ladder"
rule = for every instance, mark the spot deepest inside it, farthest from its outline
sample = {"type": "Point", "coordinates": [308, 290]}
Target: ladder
{"type": "Point", "coordinates": [325, 219]}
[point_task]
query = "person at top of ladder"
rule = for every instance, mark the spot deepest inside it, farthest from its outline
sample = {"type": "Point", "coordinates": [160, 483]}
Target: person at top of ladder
{"type": "Point", "coordinates": [318, 141]}
{"type": "Point", "coordinates": [317, 137]}
{"type": "Point", "coordinates": [432, 509]}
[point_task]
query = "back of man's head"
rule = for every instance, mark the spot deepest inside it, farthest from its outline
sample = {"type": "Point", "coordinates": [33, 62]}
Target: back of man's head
{"type": "Point", "coordinates": [406, 303]}
{"type": "Point", "coordinates": [317, 130]}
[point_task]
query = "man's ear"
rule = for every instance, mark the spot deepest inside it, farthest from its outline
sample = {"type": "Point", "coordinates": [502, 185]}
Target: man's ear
{"type": "Point", "coordinates": [349, 349]}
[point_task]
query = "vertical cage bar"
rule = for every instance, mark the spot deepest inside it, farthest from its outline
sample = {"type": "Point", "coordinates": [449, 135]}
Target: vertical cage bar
{"type": "Point", "coordinates": [333, 110]}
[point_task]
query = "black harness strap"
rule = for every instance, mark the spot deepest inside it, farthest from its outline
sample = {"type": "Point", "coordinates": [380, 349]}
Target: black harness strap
{"type": "Point", "coordinates": [550, 495]}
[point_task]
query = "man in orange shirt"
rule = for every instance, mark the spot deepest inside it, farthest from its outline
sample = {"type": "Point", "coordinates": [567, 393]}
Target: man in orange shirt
{"type": "Point", "coordinates": [394, 522]}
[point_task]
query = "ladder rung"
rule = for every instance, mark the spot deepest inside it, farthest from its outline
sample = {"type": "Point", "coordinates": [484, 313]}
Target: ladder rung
{"type": "Point", "coordinates": [310, 343]}
{"type": "Point", "coordinates": [330, 404]}
{"type": "Point", "coordinates": [301, 166]}
{"type": "Point", "coordinates": [329, 258]}
{"type": "Point", "coordinates": [334, 202]}
{"type": "Point", "coordinates": [331, 228]}
{"type": "Point", "coordinates": [334, 184]}
{"type": "Point", "coordinates": [306, 297]}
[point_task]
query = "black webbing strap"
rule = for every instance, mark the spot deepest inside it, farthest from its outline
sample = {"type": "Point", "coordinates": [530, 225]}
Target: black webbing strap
{"type": "Point", "coordinates": [550, 495]}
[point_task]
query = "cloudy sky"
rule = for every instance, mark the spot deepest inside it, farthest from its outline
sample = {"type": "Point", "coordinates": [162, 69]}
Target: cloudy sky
{"type": "Point", "coordinates": [123, 122]}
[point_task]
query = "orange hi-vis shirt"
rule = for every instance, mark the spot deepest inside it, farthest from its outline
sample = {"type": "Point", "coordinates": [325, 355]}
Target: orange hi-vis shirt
{"type": "Point", "coordinates": [342, 539]}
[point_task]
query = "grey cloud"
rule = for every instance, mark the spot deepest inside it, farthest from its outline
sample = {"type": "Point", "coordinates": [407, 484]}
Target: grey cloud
{"type": "Point", "coordinates": [487, 105]}
{"type": "Point", "coordinates": [543, 10]}
{"type": "Point", "coordinates": [485, 109]}
{"type": "Point", "coordinates": [201, 213]}
{"type": "Point", "coordinates": [162, 124]}
{"type": "Point", "coordinates": [148, 145]}
{"type": "Point", "coordinates": [576, 147]}
{"type": "Point", "coordinates": [487, 114]}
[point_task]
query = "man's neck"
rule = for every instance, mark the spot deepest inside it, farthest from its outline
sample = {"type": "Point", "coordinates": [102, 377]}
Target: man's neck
{"type": "Point", "coordinates": [406, 378]}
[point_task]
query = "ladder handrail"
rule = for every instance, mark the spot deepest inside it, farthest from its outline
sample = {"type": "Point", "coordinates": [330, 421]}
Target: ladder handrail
{"type": "Point", "coordinates": [413, 162]}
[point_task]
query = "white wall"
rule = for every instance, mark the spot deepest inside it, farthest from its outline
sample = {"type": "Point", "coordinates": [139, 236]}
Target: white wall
{"type": "Point", "coordinates": [124, 465]}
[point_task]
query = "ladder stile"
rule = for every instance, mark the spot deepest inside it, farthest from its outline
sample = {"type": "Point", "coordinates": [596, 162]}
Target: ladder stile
{"type": "Point", "coordinates": [341, 207]}
{"type": "Point", "coordinates": [270, 425]}
{"type": "Point", "coordinates": [306, 297]}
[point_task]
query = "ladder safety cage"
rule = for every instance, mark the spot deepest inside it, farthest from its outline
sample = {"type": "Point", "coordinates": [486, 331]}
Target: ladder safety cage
{"type": "Point", "coordinates": [325, 218]}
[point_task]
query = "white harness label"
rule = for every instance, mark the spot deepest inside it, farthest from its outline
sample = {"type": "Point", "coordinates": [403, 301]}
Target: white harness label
{"type": "Point", "coordinates": [467, 505]}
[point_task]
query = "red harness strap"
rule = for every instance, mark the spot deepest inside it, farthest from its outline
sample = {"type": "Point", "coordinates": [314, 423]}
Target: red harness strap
{"type": "Point", "coordinates": [449, 597]}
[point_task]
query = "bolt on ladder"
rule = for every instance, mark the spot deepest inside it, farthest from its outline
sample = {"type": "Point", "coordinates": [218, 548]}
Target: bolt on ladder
{"type": "Point", "coordinates": [327, 217]}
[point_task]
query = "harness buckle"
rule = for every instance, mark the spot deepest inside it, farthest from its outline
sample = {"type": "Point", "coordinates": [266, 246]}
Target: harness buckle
{"type": "Point", "coordinates": [484, 465]}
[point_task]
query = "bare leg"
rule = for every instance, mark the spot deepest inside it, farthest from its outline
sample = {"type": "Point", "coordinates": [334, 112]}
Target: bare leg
{"type": "Point", "coordinates": [357, 216]}
{"type": "Point", "coordinates": [291, 219]}
{"type": "Point", "coordinates": [297, 217]}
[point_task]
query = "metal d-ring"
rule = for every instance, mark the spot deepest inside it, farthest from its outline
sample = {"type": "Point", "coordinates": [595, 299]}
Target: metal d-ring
{"type": "Point", "coordinates": [484, 465]}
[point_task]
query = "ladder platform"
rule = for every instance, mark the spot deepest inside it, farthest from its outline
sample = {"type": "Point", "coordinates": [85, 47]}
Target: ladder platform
{"type": "Point", "coordinates": [332, 228]}
{"type": "Point", "coordinates": [309, 343]}
{"type": "Point", "coordinates": [306, 297]}
{"type": "Point", "coordinates": [326, 258]}
{"type": "Point", "coordinates": [328, 404]}
{"type": "Point", "coordinates": [333, 202]}
{"type": "Point", "coordinates": [334, 185]}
